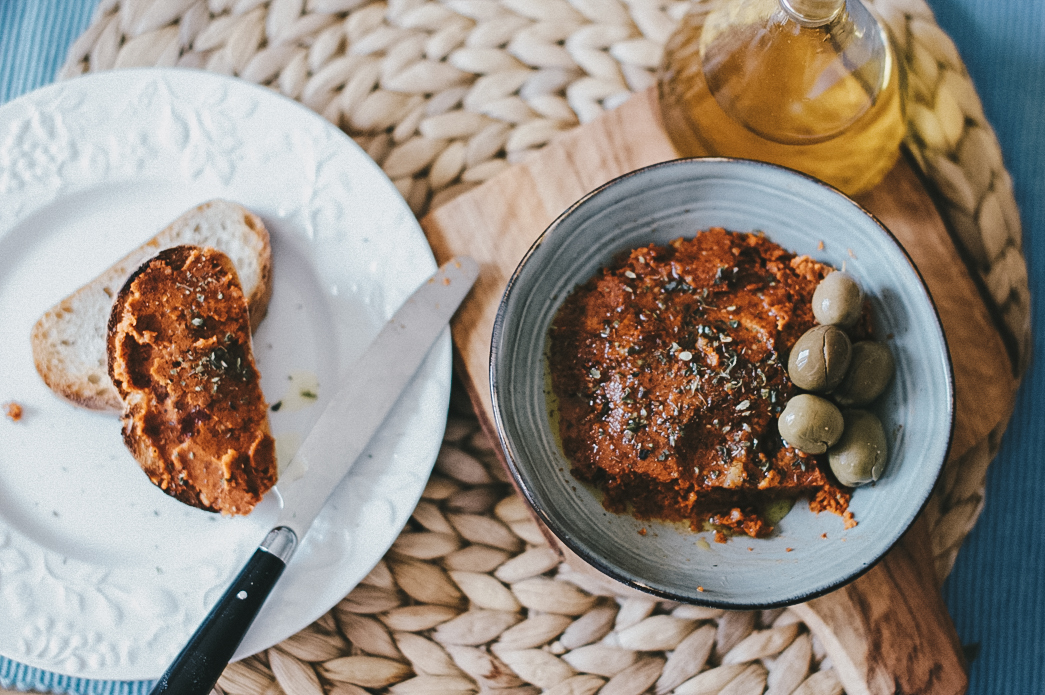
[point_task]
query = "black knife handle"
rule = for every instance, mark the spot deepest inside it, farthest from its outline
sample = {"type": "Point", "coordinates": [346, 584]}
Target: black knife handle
{"type": "Point", "coordinates": [199, 665]}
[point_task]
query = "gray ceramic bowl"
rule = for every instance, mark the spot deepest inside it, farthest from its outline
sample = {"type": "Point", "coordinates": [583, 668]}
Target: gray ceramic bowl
{"type": "Point", "coordinates": [661, 203]}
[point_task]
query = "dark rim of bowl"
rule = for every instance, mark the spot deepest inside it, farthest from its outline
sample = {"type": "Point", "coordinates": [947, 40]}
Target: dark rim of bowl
{"type": "Point", "coordinates": [578, 547]}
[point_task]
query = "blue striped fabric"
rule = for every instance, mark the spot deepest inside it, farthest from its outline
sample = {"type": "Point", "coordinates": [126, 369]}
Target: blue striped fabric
{"type": "Point", "coordinates": [22, 677]}
{"type": "Point", "coordinates": [34, 35]}
{"type": "Point", "coordinates": [996, 593]}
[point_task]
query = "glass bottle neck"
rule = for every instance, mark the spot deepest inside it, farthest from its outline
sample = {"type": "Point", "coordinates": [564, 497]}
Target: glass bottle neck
{"type": "Point", "coordinates": [813, 13]}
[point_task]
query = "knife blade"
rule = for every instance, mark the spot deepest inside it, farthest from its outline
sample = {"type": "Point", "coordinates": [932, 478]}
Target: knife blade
{"type": "Point", "coordinates": [361, 403]}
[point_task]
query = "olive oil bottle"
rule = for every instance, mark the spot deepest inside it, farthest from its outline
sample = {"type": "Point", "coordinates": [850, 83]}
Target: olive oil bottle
{"type": "Point", "coordinates": [808, 84]}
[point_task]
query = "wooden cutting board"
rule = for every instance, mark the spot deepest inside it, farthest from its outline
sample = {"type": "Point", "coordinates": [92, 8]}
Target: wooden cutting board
{"type": "Point", "coordinates": [887, 632]}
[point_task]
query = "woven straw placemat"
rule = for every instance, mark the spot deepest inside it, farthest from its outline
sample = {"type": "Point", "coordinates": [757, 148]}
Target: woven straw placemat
{"type": "Point", "coordinates": [445, 94]}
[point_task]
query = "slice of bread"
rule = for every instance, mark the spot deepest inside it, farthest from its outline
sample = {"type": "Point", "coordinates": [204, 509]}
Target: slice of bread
{"type": "Point", "coordinates": [68, 341]}
{"type": "Point", "coordinates": [179, 354]}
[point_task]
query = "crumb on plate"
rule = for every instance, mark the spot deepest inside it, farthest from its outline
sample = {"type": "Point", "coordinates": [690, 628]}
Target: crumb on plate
{"type": "Point", "coordinates": [13, 411]}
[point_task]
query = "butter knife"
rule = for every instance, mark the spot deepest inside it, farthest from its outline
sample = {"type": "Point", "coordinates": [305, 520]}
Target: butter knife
{"type": "Point", "coordinates": [344, 429]}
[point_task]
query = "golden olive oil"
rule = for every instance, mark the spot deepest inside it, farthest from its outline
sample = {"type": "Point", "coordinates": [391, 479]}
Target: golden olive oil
{"type": "Point", "coordinates": [738, 80]}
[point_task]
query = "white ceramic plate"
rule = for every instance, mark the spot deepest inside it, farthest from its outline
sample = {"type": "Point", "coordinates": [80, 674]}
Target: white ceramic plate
{"type": "Point", "coordinates": [102, 575]}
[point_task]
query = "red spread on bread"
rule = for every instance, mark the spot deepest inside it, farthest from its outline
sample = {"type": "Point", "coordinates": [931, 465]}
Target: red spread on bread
{"type": "Point", "coordinates": [180, 356]}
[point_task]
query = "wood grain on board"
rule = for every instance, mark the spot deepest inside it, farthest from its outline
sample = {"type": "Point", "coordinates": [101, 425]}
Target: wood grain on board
{"type": "Point", "coordinates": [888, 632]}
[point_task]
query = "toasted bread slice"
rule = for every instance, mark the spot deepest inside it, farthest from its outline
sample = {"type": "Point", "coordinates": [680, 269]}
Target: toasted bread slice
{"type": "Point", "coordinates": [69, 339]}
{"type": "Point", "coordinates": [179, 354]}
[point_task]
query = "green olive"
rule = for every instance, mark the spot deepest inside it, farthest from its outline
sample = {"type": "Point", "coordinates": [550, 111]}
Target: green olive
{"type": "Point", "coordinates": [859, 456]}
{"type": "Point", "coordinates": [819, 359]}
{"type": "Point", "coordinates": [869, 373]}
{"type": "Point", "coordinates": [810, 423]}
{"type": "Point", "coordinates": [837, 300]}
